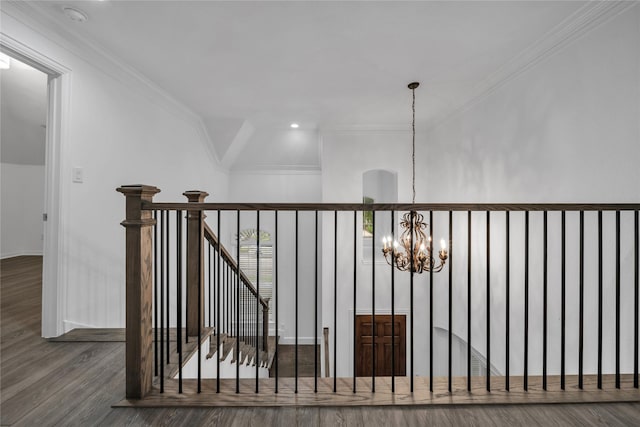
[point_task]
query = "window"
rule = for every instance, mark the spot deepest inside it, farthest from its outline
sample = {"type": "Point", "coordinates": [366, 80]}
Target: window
{"type": "Point", "coordinates": [367, 218]}
{"type": "Point", "coordinates": [378, 186]}
{"type": "Point", "coordinates": [249, 261]}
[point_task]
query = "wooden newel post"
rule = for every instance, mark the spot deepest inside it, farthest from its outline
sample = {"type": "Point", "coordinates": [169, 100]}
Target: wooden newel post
{"type": "Point", "coordinates": [139, 288]}
{"type": "Point", "coordinates": [195, 264]}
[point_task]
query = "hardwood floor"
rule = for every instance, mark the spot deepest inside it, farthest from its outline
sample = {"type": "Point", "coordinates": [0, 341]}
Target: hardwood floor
{"type": "Point", "coordinates": [76, 383]}
{"type": "Point", "coordinates": [287, 361]}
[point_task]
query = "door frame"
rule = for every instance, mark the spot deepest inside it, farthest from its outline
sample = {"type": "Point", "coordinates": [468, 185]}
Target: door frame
{"type": "Point", "coordinates": [53, 269]}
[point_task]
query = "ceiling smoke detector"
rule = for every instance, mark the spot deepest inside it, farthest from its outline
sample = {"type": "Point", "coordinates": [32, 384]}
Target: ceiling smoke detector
{"type": "Point", "coordinates": [75, 15]}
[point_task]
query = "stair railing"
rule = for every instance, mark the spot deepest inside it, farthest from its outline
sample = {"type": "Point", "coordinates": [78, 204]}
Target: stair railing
{"type": "Point", "coordinates": [558, 236]}
{"type": "Point", "coordinates": [166, 256]}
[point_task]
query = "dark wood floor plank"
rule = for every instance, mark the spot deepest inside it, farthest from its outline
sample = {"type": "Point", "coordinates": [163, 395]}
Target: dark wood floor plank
{"type": "Point", "coordinates": [58, 391]}
{"type": "Point", "coordinates": [16, 378]}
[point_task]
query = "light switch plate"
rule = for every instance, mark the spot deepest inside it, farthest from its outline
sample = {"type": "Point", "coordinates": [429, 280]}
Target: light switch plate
{"type": "Point", "coordinates": [78, 175]}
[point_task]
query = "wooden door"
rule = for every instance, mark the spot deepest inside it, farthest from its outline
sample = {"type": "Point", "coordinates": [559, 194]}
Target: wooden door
{"type": "Point", "coordinates": [383, 344]}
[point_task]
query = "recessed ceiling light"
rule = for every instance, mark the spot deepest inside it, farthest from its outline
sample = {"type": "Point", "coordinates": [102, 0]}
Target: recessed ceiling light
{"type": "Point", "coordinates": [75, 15]}
{"type": "Point", "coordinates": [294, 126]}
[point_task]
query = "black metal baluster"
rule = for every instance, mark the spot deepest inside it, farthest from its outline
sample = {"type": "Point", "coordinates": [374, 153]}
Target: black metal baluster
{"type": "Point", "coordinates": [238, 300]}
{"type": "Point", "coordinates": [236, 283]}
{"type": "Point", "coordinates": [355, 283]}
{"type": "Point", "coordinates": [161, 308]}
{"type": "Point", "coordinates": [393, 308]}
{"type": "Point", "coordinates": [450, 366]}
{"type": "Point", "coordinates": [199, 342]}
{"type": "Point", "coordinates": [335, 300]}
{"type": "Point", "coordinates": [315, 312]}
{"type": "Point", "coordinates": [212, 287]}
{"type": "Point", "coordinates": [156, 262]}
{"type": "Point", "coordinates": [563, 305]}
{"type": "Point", "coordinates": [242, 297]}
{"type": "Point", "coordinates": [599, 299]}
{"type": "Point", "coordinates": [636, 274]}
{"type": "Point", "coordinates": [412, 214]}
{"type": "Point", "coordinates": [431, 305]}
{"type": "Point", "coordinates": [468, 300]}
{"type": "Point", "coordinates": [179, 295]}
{"type": "Point", "coordinates": [257, 347]}
{"type": "Point", "coordinates": [373, 302]}
{"type": "Point", "coordinates": [526, 301]}
{"type": "Point", "coordinates": [226, 297]}
{"type": "Point", "coordinates": [581, 304]}
{"type": "Point", "coordinates": [209, 279]}
{"type": "Point", "coordinates": [168, 263]}
{"type": "Point", "coordinates": [275, 275]}
{"type": "Point", "coordinates": [617, 299]}
{"type": "Point", "coordinates": [544, 302]}
{"type": "Point", "coordinates": [296, 309]}
{"type": "Point", "coordinates": [507, 299]}
{"type": "Point", "coordinates": [225, 274]}
{"type": "Point", "coordinates": [488, 300]}
{"type": "Point", "coordinates": [218, 318]}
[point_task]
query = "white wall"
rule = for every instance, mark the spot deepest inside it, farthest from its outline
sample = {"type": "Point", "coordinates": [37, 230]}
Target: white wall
{"type": "Point", "coordinates": [22, 206]}
{"type": "Point", "coordinates": [120, 131]}
{"type": "Point", "coordinates": [565, 130]}
{"type": "Point", "coordinates": [284, 187]}
{"type": "Point", "coordinates": [279, 149]}
{"type": "Point", "coordinates": [275, 186]}
{"type": "Point", "coordinates": [345, 157]}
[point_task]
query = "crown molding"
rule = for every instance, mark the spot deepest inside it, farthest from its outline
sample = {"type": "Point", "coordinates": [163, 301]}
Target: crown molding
{"type": "Point", "coordinates": [279, 170]}
{"type": "Point", "coordinates": [355, 128]}
{"type": "Point", "coordinates": [39, 20]}
{"type": "Point", "coordinates": [584, 20]}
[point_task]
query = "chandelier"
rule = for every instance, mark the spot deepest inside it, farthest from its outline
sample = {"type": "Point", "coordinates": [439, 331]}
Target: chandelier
{"type": "Point", "coordinates": [414, 249]}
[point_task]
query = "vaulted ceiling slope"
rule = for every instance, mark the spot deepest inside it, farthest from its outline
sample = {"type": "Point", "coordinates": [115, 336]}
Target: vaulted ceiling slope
{"type": "Point", "coordinates": [324, 65]}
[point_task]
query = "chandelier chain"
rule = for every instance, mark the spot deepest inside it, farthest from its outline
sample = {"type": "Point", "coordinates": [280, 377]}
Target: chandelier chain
{"type": "Point", "coordinates": [413, 146]}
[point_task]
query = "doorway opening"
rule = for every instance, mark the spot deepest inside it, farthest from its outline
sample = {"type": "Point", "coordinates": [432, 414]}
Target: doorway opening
{"type": "Point", "coordinates": [23, 114]}
{"type": "Point", "coordinates": [35, 92]}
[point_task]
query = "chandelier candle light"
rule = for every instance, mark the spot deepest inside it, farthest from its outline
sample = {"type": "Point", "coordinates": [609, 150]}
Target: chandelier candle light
{"type": "Point", "coordinates": [413, 251]}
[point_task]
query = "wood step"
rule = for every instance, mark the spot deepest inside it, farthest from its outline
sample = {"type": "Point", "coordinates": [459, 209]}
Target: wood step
{"type": "Point", "coordinates": [189, 349]}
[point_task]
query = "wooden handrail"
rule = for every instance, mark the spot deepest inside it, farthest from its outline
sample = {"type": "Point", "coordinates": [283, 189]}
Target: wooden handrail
{"type": "Point", "coordinates": [213, 240]}
{"type": "Point", "coordinates": [483, 207]}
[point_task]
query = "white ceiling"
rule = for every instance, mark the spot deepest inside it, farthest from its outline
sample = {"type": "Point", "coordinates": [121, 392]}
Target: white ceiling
{"type": "Point", "coordinates": [321, 64]}
{"type": "Point", "coordinates": [23, 114]}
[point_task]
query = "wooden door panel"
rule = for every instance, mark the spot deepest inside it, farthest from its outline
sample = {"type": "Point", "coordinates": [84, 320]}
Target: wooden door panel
{"type": "Point", "coordinates": [365, 328]}
{"type": "Point", "coordinates": [364, 360]}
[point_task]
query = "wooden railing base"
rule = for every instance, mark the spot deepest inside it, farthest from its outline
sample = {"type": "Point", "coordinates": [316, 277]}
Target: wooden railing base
{"type": "Point", "coordinates": [383, 396]}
